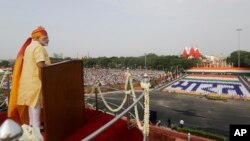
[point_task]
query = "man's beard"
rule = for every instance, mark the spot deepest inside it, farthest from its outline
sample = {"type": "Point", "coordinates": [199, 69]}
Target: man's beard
{"type": "Point", "coordinates": [44, 44]}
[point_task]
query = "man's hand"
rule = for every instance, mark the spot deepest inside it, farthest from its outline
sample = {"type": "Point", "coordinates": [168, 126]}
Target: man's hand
{"type": "Point", "coordinates": [41, 64]}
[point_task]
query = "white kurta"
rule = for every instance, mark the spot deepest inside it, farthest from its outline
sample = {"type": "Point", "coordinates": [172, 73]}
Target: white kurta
{"type": "Point", "coordinates": [29, 89]}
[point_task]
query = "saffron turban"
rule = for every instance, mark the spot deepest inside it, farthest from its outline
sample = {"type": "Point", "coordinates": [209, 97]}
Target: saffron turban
{"type": "Point", "coordinates": [39, 32]}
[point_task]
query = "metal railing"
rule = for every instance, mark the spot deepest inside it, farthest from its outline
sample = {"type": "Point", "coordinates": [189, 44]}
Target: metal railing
{"type": "Point", "coordinates": [104, 127]}
{"type": "Point", "coordinates": [4, 90]}
{"type": "Point", "coordinates": [5, 78]}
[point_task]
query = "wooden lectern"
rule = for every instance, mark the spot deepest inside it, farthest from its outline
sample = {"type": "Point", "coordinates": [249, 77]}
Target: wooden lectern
{"type": "Point", "coordinates": [63, 99]}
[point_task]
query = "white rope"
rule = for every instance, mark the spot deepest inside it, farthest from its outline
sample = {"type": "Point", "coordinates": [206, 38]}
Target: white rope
{"type": "Point", "coordinates": [145, 127]}
{"type": "Point", "coordinates": [129, 82]}
{"type": "Point", "coordinates": [96, 86]}
{"type": "Point", "coordinates": [135, 107]}
{"type": "Point", "coordinates": [146, 110]}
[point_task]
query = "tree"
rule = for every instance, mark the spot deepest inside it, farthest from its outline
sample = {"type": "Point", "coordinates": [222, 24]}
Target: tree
{"type": "Point", "coordinates": [166, 63]}
{"type": "Point", "coordinates": [4, 63]}
{"type": "Point", "coordinates": [244, 59]}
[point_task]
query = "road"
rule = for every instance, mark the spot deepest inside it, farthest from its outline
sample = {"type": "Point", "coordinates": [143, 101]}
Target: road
{"type": "Point", "coordinates": [196, 111]}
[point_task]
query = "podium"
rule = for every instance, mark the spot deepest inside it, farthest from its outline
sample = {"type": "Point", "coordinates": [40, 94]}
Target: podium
{"type": "Point", "coordinates": [63, 99]}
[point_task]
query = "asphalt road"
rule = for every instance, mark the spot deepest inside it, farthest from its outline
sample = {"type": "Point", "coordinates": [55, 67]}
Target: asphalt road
{"type": "Point", "coordinates": [197, 112]}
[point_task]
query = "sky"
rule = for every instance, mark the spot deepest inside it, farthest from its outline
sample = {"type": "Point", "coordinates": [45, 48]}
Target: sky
{"type": "Point", "coordinates": [109, 28]}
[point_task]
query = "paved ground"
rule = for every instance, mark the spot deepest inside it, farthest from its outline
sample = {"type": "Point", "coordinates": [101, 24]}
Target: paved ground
{"type": "Point", "coordinates": [197, 112]}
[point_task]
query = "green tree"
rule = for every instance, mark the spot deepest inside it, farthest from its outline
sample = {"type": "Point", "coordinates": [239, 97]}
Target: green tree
{"type": "Point", "coordinates": [244, 58]}
{"type": "Point", "coordinates": [4, 63]}
{"type": "Point", "coordinates": [166, 63]}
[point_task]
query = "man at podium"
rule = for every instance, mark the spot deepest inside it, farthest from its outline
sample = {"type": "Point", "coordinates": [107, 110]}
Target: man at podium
{"type": "Point", "coordinates": [26, 89]}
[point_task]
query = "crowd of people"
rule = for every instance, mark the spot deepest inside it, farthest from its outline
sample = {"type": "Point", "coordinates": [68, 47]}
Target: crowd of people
{"type": "Point", "coordinates": [111, 76]}
{"type": "Point", "coordinates": [117, 76]}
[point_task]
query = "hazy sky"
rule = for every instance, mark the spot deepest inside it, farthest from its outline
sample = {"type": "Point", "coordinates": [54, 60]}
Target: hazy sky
{"type": "Point", "coordinates": [126, 27]}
